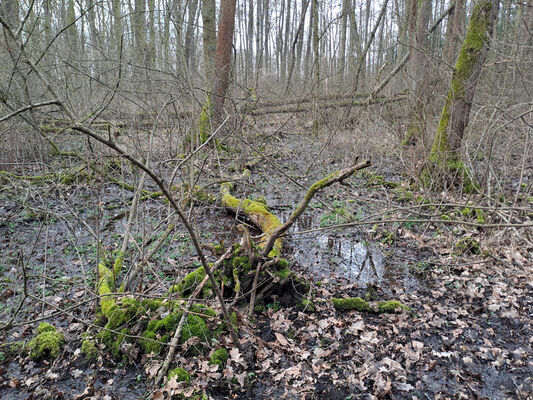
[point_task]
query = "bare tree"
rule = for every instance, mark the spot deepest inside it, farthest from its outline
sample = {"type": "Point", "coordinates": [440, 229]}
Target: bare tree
{"type": "Point", "coordinates": [445, 155]}
{"type": "Point", "coordinates": [223, 55]}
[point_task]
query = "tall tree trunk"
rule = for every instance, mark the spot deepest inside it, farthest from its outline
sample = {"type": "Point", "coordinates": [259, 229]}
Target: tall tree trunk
{"type": "Point", "coordinates": [286, 41]}
{"type": "Point", "coordinates": [266, 35]}
{"type": "Point", "coordinates": [250, 35]}
{"type": "Point", "coordinates": [72, 31]}
{"type": "Point", "coordinates": [316, 63]}
{"type": "Point", "coordinates": [150, 56]}
{"type": "Point", "coordinates": [362, 56]}
{"type": "Point", "coordinates": [297, 42]}
{"type": "Point", "coordinates": [189, 33]}
{"type": "Point", "coordinates": [418, 74]}
{"type": "Point", "coordinates": [454, 32]}
{"type": "Point", "coordinates": [445, 153]}
{"type": "Point", "coordinates": [342, 45]}
{"type": "Point", "coordinates": [117, 23]}
{"type": "Point", "coordinates": [139, 29]}
{"type": "Point", "coordinates": [355, 48]}
{"type": "Point", "coordinates": [223, 56]}
{"type": "Point", "coordinates": [209, 39]}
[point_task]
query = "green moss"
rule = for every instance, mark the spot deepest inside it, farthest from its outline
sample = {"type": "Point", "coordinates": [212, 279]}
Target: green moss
{"type": "Point", "coordinates": [283, 273]}
{"type": "Point", "coordinates": [241, 264]}
{"type": "Point", "coordinates": [119, 316]}
{"type": "Point", "coordinates": [391, 306]}
{"type": "Point", "coordinates": [267, 221]}
{"type": "Point", "coordinates": [47, 343]}
{"type": "Point", "coordinates": [219, 357]}
{"type": "Point", "coordinates": [159, 331]}
{"type": "Point", "coordinates": [89, 349]}
{"type": "Point", "coordinates": [378, 180]}
{"type": "Point", "coordinates": [468, 245]}
{"type": "Point", "coordinates": [351, 303]}
{"type": "Point", "coordinates": [181, 375]}
{"type": "Point", "coordinates": [204, 122]}
{"type": "Point", "coordinates": [476, 213]}
{"type": "Point", "coordinates": [191, 281]}
{"type": "Point", "coordinates": [219, 248]}
{"type": "Point", "coordinates": [106, 285]}
{"type": "Point", "coordinates": [67, 179]}
{"type": "Point", "coordinates": [306, 305]}
{"type": "Point", "coordinates": [45, 327]}
{"type": "Point", "coordinates": [403, 195]}
{"type": "Point", "coordinates": [388, 237]}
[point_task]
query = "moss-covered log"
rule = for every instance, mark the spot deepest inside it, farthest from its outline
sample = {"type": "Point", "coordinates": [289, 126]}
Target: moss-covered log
{"type": "Point", "coordinates": [257, 213]}
{"type": "Point", "coordinates": [444, 159]}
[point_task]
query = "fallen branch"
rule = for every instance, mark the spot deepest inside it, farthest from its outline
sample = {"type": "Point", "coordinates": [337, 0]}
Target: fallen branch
{"type": "Point", "coordinates": [338, 176]}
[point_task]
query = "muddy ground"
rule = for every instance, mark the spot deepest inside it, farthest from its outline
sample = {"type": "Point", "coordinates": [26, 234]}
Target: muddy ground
{"type": "Point", "coordinates": [467, 335]}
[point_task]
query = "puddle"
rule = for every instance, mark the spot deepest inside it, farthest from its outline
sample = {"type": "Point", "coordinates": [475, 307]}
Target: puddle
{"type": "Point", "coordinates": [346, 254]}
{"type": "Point", "coordinates": [326, 255]}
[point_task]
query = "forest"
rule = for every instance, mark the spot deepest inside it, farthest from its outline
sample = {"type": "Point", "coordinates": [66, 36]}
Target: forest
{"type": "Point", "coordinates": [293, 199]}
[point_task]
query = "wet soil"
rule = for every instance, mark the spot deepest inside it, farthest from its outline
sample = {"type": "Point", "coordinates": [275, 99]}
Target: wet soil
{"type": "Point", "coordinates": [467, 335]}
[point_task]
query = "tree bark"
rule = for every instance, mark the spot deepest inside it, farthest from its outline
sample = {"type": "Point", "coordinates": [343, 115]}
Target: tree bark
{"type": "Point", "coordinates": [418, 74]}
{"type": "Point", "coordinates": [454, 32]}
{"type": "Point", "coordinates": [223, 55]}
{"type": "Point", "coordinates": [445, 152]}
{"type": "Point", "coordinates": [209, 39]}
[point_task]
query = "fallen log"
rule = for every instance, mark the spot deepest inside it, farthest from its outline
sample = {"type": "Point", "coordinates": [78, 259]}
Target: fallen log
{"type": "Point", "coordinates": [343, 103]}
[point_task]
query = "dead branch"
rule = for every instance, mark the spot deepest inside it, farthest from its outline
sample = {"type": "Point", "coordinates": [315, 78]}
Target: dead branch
{"type": "Point", "coordinates": [338, 176]}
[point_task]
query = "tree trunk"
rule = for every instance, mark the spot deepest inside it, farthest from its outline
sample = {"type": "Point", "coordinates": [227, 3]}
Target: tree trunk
{"type": "Point", "coordinates": [454, 32]}
{"type": "Point", "coordinates": [342, 45]}
{"type": "Point", "coordinates": [209, 39]}
{"type": "Point", "coordinates": [445, 153]}
{"type": "Point", "coordinates": [418, 74]}
{"type": "Point", "coordinates": [189, 33]}
{"type": "Point", "coordinates": [223, 55]}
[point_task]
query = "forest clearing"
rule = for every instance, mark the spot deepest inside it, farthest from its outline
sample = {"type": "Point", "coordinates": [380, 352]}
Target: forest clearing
{"type": "Point", "coordinates": [325, 199]}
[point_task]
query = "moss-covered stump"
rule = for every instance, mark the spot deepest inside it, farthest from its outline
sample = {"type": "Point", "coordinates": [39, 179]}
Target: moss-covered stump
{"type": "Point", "coordinates": [358, 304]}
{"type": "Point", "coordinates": [257, 212]}
{"type": "Point", "coordinates": [159, 331]}
{"type": "Point", "coordinates": [47, 343]}
{"type": "Point", "coordinates": [236, 276]}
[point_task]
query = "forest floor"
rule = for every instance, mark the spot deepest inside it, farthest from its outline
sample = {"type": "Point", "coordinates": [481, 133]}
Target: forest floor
{"type": "Point", "coordinates": [468, 333]}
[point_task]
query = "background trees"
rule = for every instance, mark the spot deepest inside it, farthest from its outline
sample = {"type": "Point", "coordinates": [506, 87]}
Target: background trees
{"type": "Point", "coordinates": [124, 57]}
{"type": "Point", "coordinates": [107, 106]}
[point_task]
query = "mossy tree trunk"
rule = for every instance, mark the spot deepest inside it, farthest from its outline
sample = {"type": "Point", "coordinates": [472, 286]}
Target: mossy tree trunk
{"type": "Point", "coordinates": [445, 156]}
